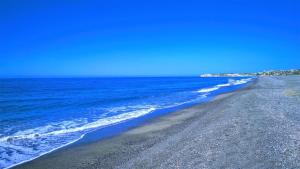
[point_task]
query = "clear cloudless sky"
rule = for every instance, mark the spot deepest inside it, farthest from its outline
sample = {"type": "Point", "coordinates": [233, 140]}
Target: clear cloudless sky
{"type": "Point", "coordinates": [151, 38]}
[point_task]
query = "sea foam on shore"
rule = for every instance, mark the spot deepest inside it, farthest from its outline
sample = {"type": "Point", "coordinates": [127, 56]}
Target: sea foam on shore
{"type": "Point", "coordinates": [231, 82]}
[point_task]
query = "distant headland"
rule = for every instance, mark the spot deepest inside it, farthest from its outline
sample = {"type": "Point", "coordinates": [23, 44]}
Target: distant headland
{"type": "Point", "coordinates": [263, 73]}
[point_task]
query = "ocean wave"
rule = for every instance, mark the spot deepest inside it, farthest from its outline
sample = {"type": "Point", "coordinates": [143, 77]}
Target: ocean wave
{"type": "Point", "coordinates": [206, 90]}
{"type": "Point", "coordinates": [66, 127]}
{"type": "Point", "coordinates": [239, 82]}
{"type": "Point", "coordinates": [18, 156]}
{"type": "Point", "coordinates": [231, 82]}
{"type": "Point", "coordinates": [31, 143]}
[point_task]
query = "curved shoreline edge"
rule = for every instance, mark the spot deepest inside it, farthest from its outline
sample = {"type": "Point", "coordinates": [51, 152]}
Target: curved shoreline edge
{"type": "Point", "coordinates": [231, 84]}
{"type": "Point", "coordinates": [147, 126]}
{"type": "Point", "coordinates": [179, 118]}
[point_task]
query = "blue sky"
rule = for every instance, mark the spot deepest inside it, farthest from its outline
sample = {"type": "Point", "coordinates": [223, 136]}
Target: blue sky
{"type": "Point", "coordinates": [151, 38]}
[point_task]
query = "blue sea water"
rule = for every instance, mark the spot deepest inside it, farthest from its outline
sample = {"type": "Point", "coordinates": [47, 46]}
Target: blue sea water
{"type": "Point", "coordinates": [39, 115]}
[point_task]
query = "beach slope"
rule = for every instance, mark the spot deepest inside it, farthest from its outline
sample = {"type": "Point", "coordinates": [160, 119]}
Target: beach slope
{"type": "Point", "coordinates": [257, 127]}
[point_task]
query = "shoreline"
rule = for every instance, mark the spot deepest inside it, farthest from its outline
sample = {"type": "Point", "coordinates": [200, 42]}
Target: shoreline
{"type": "Point", "coordinates": [255, 127]}
{"type": "Point", "coordinates": [145, 123]}
{"type": "Point", "coordinates": [118, 128]}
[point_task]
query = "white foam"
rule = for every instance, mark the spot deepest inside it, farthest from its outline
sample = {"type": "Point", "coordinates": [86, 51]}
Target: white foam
{"type": "Point", "coordinates": [231, 82]}
{"type": "Point", "coordinates": [30, 159]}
{"type": "Point", "coordinates": [242, 81]}
{"type": "Point", "coordinates": [206, 90]}
{"type": "Point", "coordinates": [224, 85]}
{"type": "Point", "coordinates": [72, 127]}
{"type": "Point", "coordinates": [107, 121]}
{"type": "Point", "coordinates": [54, 136]}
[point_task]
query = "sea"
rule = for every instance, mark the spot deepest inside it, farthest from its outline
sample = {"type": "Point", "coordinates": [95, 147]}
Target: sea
{"type": "Point", "coordinates": [40, 115]}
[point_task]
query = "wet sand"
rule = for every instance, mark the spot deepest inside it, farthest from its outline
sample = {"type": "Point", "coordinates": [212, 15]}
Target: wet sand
{"type": "Point", "coordinates": [257, 127]}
